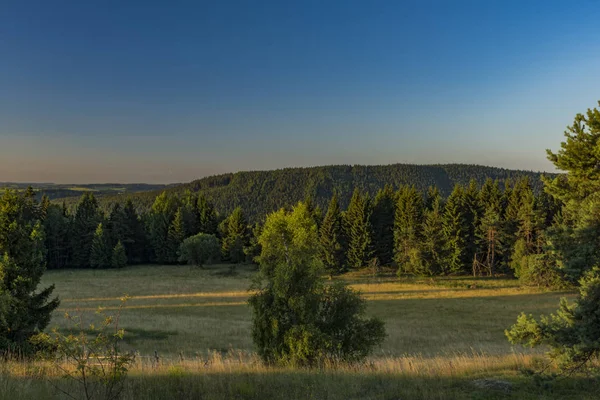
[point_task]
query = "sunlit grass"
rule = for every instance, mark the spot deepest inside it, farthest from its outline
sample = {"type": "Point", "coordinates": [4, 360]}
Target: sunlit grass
{"type": "Point", "coordinates": [443, 334]}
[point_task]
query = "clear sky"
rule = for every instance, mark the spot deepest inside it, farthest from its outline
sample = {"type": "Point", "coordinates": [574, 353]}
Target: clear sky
{"type": "Point", "coordinates": [98, 91]}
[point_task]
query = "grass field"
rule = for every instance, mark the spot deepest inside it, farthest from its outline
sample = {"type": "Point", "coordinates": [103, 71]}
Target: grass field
{"type": "Point", "coordinates": [442, 335]}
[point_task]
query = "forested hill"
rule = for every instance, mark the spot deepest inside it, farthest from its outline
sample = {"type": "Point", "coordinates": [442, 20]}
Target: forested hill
{"type": "Point", "coordinates": [260, 192]}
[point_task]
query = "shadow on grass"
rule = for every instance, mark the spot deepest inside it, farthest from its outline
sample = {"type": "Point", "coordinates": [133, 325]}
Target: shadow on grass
{"type": "Point", "coordinates": [132, 335]}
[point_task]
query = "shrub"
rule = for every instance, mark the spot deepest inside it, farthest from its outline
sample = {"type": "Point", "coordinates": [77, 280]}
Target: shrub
{"type": "Point", "coordinates": [199, 249]}
{"type": "Point", "coordinates": [90, 356]}
{"type": "Point", "coordinates": [572, 333]}
{"type": "Point", "coordinates": [297, 319]}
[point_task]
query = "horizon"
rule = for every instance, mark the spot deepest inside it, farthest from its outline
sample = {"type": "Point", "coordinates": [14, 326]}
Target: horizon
{"type": "Point", "coordinates": [267, 170]}
{"type": "Point", "coordinates": [149, 93]}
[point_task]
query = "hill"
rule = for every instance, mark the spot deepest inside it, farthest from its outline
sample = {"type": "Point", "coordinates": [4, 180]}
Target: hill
{"type": "Point", "coordinates": [59, 191]}
{"type": "Point", "coordinates": [260, 192]}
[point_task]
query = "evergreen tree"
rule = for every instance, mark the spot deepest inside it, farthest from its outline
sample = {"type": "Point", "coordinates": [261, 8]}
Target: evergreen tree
{"type": "Point", "coordinates": [576, 240]}
{"type": "Point", "coordinates": [407, 225]}
{"type": "Point", "coordinates": [456, 232]}
{"type": "Point", "coordinates": [433, 241]}
{"type": "Point", "coordinates": [384, 212]}
{"type": "Point", "coordinates": [206, 216]}
{"type": "Point", "coordinates": [175, 236]}
{"type": "Point", "coordinates": [134, 239]}
{"type": "Point", "coordinates": [472, 213]}
{"type": "Point", "coordinates": [116, 229]}
{"type": "Point", "coordinates": [357, 225]}
{"type": "Point", "coordinates": [330, 238]}
{"type": "Point", "coordinates": [24, 310]}
{"type": "Point", "coordinates": [57, 228]}
{"type": "Point", "coordinates": [159, 221]}
{"type": "Point", "coordinates": [119, 256]}
{"type": "Point", "coordinates": [235, 237]}
{"type": "Point", "coordinates": [101, 253]}
{"type": "Point", "coordinates": [489, 239]}
{"type": "Point", "coordinates": [86, 220]}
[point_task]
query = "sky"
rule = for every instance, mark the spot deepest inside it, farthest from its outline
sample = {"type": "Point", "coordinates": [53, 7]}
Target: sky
{"type": "Point", "coordinates": [171, 91]}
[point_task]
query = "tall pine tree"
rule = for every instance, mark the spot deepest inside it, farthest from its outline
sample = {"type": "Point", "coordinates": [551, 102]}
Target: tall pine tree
{"type": "Point", "coordinates": [330, 238]}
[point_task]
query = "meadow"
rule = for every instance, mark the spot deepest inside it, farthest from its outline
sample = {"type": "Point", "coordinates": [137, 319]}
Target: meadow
{"type": "Point", "coordinates": [444, 336]}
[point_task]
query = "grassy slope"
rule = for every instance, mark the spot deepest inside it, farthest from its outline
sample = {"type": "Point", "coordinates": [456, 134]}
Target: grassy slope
{"type": "Point", "coordinates": [443, 334]}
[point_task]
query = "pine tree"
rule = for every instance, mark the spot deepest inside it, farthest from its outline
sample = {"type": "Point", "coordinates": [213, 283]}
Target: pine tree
{"type": "Point", "coordinates": [57, 229]}
{"type": "Point", "coordinates": [119, 257]}
{"type": "Point", "coordinates": [206, 216]}
{"type": "Point", "coordinates": [456, 232]}
{"type": "Point", "coordinates": [407, 225]}
{"type": "Point", "coordinates": [489, 239]}
{"type": "Point", "coordinates": [330, 238]}
{"type": "Point", "coordinates": [357, 226]}
{"type": "Point", "coordinates": [576, 240]}
{"type": "Point", "coordinates": [24, 310]}
{"type": "Point", "coordinates": [433, 240]}
{"type": "Point", "coordinates": [86, 220]}
{"type": "Point", "coordinates": [175, 236]}
{"type": "Point", "coordinates": [472, 213]}
{"type": "Point", "coordinates": [159, 221]}
{"type": "Point", "coordinates": [384, 211]}
{"type": "Point", "coordinates": [134, 239]}
{"type": "Point", "coordinates": [235, 237]}
{"type": "Point", "coordinates": [100, 255]}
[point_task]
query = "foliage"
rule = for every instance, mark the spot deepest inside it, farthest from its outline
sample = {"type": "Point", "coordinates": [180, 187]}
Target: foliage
{"type": "Point", "coordinates": [90, 356]}
{"type": "Point", "coordinates": [331, 239]}
{"type": "Point", "coordinates": [23, 309]}
{"type": "Point", "coordinates": [235, 237]}
{"type": "Point", "coordinates": [101, 253]}
{"type": "Point", "coordinates": [571, 333]}
{"type": "Point", "coordinates": [575, 240]}
{"type": "Point", "coordinates": [119, 257]}
{"type": "Point", "coordinates": [358, 230]}
{"type": "Point", "coordinates": [85, 221]}
{"type": "Point", "coordinates": [199, 250]}
{"type": "Point", "coordinates": [296, 319]}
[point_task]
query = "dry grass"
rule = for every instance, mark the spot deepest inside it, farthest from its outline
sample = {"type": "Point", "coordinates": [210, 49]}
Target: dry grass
{"type": "Point", "coordinates": [442, 335]}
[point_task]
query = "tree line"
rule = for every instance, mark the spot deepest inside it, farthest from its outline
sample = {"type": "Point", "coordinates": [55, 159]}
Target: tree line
{"type": "Point", "coordinates": [262, 192]}
{"type": "Point", "coordinates": [477, 229]}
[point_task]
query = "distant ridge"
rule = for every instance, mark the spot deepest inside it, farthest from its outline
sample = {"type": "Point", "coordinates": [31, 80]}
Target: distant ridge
{"type": "Point", "coordinates": [260, 192]}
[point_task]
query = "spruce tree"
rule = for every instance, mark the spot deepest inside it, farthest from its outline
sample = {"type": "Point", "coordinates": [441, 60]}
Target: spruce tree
{"type": "Point", "coordinates": [85, 221]}
{"type": "Point", "coordinates": [24, 310]}
{"type": "Point", "coordinates": [175, 236]}
{"type": "Point", "coordinates": [576, 240]}
{"type": "Point", "coordinates": [407, 229]}
{"type": "Point", "coordinates": [489, 236]}
{"type": "Point", "coordinates": [357, 225]}
{"type": "Point", "coordinates": [159, 221]}
{"type": "Point", "coordinates": [134, 239]}
{"type": "Point", "coordinates": [384, 211]}
{"type": "Point", "coordinates": [119, 257]}
{"type": "Point", "coordinates": [456, 232]}
{"type": "Point", "coordinates": [330, 238]}
{"type": "Point", "coordinates": [101, 253]}
{"type": "Point", "coordinates": [57, 228]}
{"type": "Point", "coordinates": [235, 237]}
{"type": "Point", "coordinates": [433, 243]}
{"type": "Point", "coordinates": [206, 216]}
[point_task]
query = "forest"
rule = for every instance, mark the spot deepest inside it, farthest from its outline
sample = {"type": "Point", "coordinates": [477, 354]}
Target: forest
{"type": "Point", "coordinates": [262, 192]}
{"type": "Point", "coordinates": [480, 230]}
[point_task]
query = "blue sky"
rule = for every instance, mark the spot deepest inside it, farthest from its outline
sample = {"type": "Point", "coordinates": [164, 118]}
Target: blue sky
{"type": "Point", "coordinates": [172, 91]}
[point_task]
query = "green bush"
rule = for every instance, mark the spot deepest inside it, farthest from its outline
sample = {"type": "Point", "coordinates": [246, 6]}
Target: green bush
{"type": "Point", "coordinates": [297, 319]}
{"type": "Point", "coordinates": [573, 333]}
{"type": "Point", "coordinates": [200, 249]}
